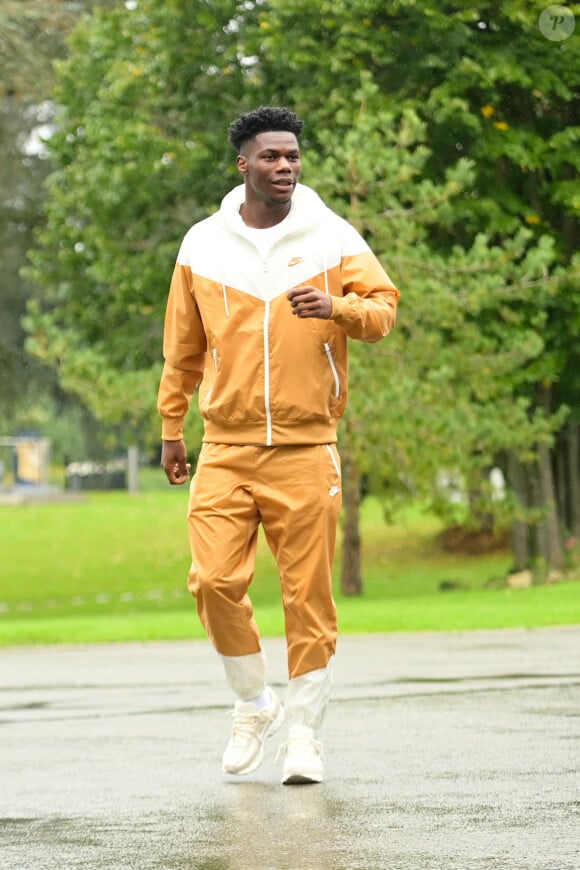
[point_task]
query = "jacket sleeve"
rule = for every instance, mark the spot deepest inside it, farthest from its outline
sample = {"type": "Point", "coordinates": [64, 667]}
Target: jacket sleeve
{"type": "Point", "coordinates": [368, 307]}
{"type": "Point", "coordinates": [184, 346]}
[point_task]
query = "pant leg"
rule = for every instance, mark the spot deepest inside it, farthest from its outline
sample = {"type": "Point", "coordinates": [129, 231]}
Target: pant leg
{"type": "Point", "coordinates": [307, 698]}
{"type": "Point", "coordinates": [298, 491]}
{"type": "Point", "coordinates": [246, 675]}
{"type": "Point", "coordinates": [223, 528]}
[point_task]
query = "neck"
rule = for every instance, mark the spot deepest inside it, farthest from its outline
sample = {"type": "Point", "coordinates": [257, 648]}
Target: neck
{"type": "Point", "coordinates": [261, 215]}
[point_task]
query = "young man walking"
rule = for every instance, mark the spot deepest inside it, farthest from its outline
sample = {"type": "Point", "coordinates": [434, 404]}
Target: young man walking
{"type": "Point", "coordinates": [264, 295]}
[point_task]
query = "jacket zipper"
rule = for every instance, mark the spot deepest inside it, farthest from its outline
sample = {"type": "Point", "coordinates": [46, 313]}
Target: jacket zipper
{"type": "Point", "coordinates": [334, 371]}
{"type": "Point", "coordinates": [267, 374]}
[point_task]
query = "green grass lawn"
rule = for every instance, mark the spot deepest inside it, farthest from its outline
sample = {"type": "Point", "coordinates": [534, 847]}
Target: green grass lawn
{"type": "Point", "coordinates": [113, 568]}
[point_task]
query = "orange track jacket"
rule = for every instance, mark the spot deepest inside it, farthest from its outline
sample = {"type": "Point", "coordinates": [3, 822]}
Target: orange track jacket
{"type": "Point", "coordinates": [268, 377]}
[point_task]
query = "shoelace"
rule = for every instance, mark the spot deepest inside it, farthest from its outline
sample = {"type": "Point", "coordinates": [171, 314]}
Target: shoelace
{"type": "Point", "coordinates": [244, 723]}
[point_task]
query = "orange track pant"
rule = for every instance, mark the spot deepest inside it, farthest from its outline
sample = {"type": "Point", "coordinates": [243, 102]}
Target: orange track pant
{"type": "Point", "coordinates": [295, 493]}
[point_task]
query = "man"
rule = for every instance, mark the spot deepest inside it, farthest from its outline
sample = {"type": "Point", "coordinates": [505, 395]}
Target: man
{"type": "Point", "coordinates": [263, 297]}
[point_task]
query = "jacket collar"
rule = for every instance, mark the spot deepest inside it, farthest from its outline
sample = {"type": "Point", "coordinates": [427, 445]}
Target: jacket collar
{"type": "Point", "coordinates": [307, 210]}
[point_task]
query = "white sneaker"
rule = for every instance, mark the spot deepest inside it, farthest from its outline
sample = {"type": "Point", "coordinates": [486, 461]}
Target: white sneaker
{"type": "Point", "coordinates": [302, 759]}
{"type": "Point", "coordinates": [245, 749]}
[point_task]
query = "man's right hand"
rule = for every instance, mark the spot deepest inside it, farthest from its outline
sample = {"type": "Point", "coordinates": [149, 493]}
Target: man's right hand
{"type": "Point", "coordinates": [174, 461]}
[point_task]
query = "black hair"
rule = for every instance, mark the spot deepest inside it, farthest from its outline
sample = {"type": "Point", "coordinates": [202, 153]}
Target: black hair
{"type": "Point", "coordinates": [263, 120]}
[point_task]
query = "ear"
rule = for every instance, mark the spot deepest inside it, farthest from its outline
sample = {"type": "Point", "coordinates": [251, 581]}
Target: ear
{"type": "Point", "coordinates": [242, 164]}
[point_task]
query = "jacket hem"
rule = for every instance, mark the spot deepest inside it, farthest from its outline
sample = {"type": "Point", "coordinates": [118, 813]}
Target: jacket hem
{"type": "Point", "coordinates": [282, 434]}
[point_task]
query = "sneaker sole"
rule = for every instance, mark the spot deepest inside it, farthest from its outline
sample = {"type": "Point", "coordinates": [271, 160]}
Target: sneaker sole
{"type": "Point", "coordinates": [301, 779]}
{"type": "Point", "coordinates": [274, 726]}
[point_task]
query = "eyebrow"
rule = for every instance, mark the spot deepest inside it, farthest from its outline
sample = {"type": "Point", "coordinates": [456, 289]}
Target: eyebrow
{"type": "Point", "coordinates": [279, 151]}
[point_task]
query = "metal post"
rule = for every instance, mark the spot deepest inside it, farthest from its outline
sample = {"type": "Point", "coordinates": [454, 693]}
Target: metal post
{"type": "Point", "coordinates": [133, 469]}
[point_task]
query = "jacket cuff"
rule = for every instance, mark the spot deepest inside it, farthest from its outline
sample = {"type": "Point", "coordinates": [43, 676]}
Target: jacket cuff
{"type": "Point", "coordinates": [171, 429]}
{"type": "Point", "coordinates": [341, 310]}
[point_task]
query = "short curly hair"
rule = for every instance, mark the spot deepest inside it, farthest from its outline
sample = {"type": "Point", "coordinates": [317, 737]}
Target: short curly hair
{"type": "Point", "coordinates": [263, 120]}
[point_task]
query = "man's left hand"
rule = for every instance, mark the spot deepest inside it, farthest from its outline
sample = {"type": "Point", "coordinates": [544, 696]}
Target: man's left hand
{"type": "Point", "coordinates": [309, 302]}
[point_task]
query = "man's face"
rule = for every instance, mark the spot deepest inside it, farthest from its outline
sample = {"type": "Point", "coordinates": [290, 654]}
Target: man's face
{"type": "Point", "coordinates": [271, 166]}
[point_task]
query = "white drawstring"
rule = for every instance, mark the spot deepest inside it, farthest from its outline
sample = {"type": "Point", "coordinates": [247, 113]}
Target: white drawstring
{"type": "Point", "coordinates": [225, 292]}
{"type": "Point", "coordinates": [326, 290]}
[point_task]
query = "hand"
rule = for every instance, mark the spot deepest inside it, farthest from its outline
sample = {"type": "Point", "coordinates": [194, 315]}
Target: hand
{"type": "Point", "coordinates": [174, 462]}
{"type": "Point", "coordinates": [309, 302]}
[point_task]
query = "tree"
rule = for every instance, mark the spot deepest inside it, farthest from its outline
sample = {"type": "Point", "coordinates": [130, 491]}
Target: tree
{"type": "Point", "coordinates": [145, 95]}
{"type": "Point", "coordinates": [32, 34]}
{"type": "Point", "coordinates": [489, 86]}
{"type": "Point", "coordinates": [21, 180]}
{"type": "Point", "coordinates": [439, 393]}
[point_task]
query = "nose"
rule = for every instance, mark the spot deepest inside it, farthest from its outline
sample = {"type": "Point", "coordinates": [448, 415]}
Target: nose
{"type": "Point", "coordinates": [283, 163]}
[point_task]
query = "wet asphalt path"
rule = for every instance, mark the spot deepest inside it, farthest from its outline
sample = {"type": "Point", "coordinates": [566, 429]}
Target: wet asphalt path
{"type": "Point", "coordinates": [443, 751]}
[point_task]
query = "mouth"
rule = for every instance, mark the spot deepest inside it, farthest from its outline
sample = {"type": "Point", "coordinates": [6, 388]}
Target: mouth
{"type": "Point", "coordinates": [284, 184]}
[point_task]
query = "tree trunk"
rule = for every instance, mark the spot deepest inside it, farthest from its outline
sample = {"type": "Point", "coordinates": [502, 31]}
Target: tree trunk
{"type": "Point", "coordinates": [540, 531]}
{"type": "Point", "coordinates": [573, 432]}
{"type": "Point", "coordinates": [479, 500]}
{"type": "Point", "coordinates": [562, 489]}
{"type": "Point", "coordinates": [520, 538]}
{"type": "Point", "coordinates": [351, 579]}
{"type": "Point", "coordinates": [554, 549]}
